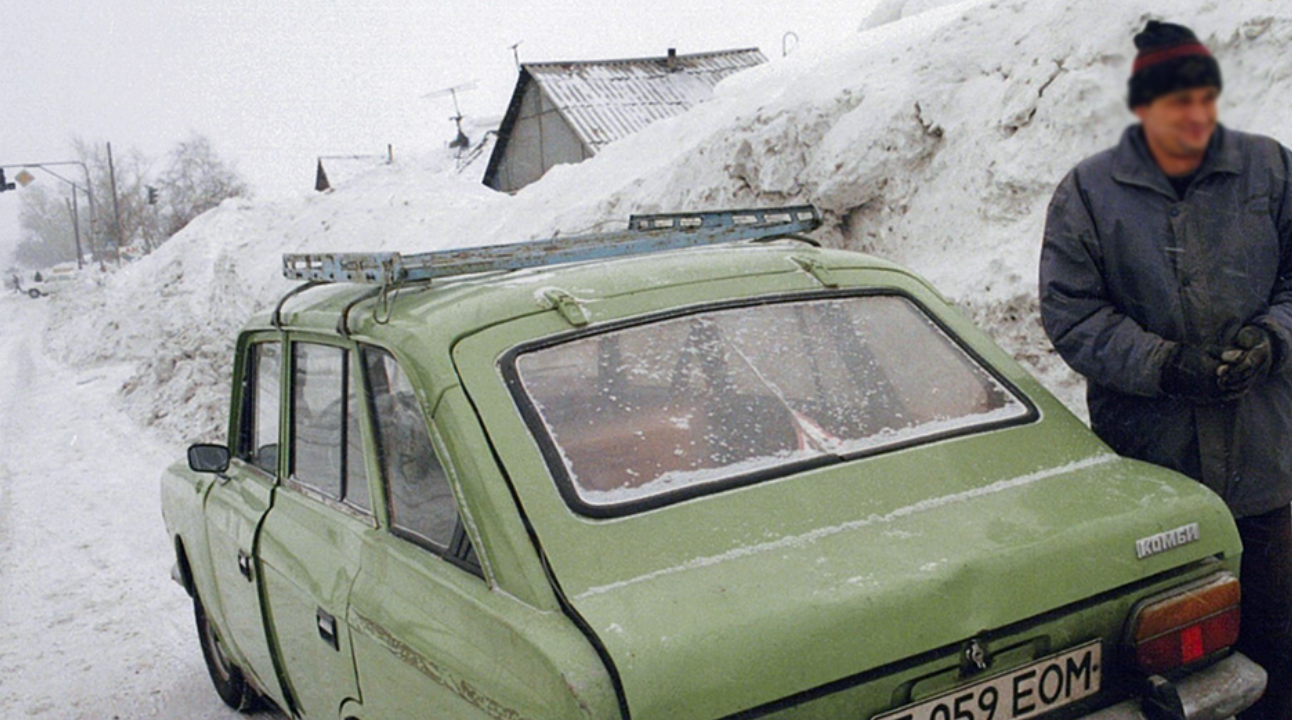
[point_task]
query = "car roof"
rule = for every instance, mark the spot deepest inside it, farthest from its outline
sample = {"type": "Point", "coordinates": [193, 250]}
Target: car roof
{"type": "Point", "coordinates": [465, 304]}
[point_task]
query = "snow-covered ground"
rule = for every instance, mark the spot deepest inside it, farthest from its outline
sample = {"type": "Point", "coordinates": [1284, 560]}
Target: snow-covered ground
{"type": "Point", "coordinates": [90, 624]}
{"type": "Point", "coordinates": [933, 139]}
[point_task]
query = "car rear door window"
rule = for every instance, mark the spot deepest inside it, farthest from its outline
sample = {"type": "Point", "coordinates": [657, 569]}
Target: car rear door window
{"type": "Point", "coordinates": [356, 470]}
{"type": "Point", "coordinates": [326, 442]}
{"type": "Point", "coordinates": [419, 497]}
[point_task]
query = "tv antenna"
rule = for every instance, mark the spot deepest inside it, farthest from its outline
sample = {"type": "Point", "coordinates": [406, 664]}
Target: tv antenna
{"type": "Point", "coordinates": [460, 142]}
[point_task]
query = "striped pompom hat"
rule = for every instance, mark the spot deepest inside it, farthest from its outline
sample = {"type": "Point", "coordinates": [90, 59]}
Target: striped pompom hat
{"type": "Point", "coordinates": [1170, 58]}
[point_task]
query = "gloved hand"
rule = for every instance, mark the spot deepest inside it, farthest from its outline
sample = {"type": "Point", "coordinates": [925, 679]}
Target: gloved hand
{"type": "Point", "coordinates": [1193, 374]}
{"type": "Point", "coordinates": [1247, 362]}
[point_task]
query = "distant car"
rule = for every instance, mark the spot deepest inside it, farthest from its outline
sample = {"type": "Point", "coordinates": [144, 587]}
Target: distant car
{"type": "Point", "coordinates": [753, 479]}
{"type": "Point", "coordinates": [43, 283]}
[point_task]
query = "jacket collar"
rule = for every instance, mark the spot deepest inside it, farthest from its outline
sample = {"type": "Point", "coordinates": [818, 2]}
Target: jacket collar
{"type": "Point", "coordinates": [1133, 164]}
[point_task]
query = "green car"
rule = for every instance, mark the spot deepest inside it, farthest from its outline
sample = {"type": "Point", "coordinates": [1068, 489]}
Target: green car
{"type": "Point", "coordinates": [698, 469]}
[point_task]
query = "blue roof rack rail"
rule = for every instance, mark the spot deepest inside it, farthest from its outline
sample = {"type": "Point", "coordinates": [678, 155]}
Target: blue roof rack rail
{"type": "Point", "coordinates": [645, 234]}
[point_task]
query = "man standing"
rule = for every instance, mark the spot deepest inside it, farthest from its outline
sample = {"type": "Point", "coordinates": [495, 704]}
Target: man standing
{"type": "Point", "coordinates": [1166, 280]}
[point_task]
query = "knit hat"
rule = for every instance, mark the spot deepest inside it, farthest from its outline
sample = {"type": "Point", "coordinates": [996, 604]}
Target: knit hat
{"type": "Point", "coordinates": [1170, 58]}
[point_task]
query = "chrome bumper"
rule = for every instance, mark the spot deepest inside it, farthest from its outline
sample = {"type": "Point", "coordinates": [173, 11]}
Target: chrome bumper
{"type": "Point", "coordinates": [1218, 692]}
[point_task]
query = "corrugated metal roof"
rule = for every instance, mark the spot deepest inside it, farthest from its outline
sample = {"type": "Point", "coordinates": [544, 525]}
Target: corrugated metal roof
{"type": "Point", "coordinates": [606, 100]}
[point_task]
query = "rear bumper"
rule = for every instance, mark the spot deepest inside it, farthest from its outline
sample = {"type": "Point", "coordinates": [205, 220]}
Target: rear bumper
{"type": "Point", "coordinates": [1218, 692]}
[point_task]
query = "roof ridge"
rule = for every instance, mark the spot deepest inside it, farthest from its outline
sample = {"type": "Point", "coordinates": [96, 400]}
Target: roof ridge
{"type": "Point", "coordinates": [656, 58]}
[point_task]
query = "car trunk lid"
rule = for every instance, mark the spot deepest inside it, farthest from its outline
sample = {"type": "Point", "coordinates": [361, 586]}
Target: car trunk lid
{"type": "Point", "coordinates": [722, 632]}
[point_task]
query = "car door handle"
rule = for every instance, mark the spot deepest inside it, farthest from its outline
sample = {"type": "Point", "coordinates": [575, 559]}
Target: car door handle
{"type": "Point", "coordinates": [327, 628]}
{"type": "Point", "coordinates": [244, 564]}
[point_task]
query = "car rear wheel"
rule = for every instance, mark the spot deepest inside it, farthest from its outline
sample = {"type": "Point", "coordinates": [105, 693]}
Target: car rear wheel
{"type": "Point", "coordinates": [229, 682]}
{"type": "Point", "coordinates": [33, 293]}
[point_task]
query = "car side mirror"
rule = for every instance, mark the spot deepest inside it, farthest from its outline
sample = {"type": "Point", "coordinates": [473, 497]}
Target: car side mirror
{"type": "Point", "coordinates": [208, 458]}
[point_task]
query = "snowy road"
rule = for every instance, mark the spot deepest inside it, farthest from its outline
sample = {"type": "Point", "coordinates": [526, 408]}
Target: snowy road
{"type": "Point", "coordinates": [90, 624]}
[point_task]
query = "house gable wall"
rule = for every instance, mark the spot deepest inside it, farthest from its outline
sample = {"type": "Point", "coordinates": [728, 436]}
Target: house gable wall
{"type": "Point", "coordinates": [540, 139]}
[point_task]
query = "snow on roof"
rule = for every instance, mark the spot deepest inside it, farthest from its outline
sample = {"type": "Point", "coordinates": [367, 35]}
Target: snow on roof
{"type": "Point", "coordinates": [606, 100]}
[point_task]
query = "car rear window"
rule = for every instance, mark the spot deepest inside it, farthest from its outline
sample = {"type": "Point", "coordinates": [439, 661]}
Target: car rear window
{"type": "Point", "coordinates": [681, 405]}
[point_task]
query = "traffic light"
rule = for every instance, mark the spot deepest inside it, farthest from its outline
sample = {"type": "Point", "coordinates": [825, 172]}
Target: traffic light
{"type": "Point", "coordinates": [152, 194]}
{"type": "Point", "coordinates": [4, 184]}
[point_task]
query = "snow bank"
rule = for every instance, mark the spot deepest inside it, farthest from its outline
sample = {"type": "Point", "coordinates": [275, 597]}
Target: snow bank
{"type": "Point", "coordinates": [176, 313]}
{"type": "Point", "coordinates": [891, 11]}
{"type": "Point", "coordinates": [933, 138]}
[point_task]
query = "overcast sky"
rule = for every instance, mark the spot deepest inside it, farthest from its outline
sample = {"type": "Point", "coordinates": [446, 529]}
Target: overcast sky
{"type": "Point", "coordinates": [275, 83]}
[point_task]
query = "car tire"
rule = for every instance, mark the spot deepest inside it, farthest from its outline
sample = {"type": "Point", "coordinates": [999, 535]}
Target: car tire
{"type": "Point", "coordinates": [227, 677]}
{"type": "Point", "coordinates": [33, 293]}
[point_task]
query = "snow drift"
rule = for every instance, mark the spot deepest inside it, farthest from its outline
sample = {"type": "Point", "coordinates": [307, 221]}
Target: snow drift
{"type": "Point", "coordinates": [932, 138]}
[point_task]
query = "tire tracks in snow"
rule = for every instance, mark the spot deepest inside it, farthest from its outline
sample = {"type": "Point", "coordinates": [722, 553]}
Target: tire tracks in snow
{"type": "Point", "coordinates": [90, 624]}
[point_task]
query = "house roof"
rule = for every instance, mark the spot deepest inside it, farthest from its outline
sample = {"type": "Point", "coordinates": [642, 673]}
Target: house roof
{"type": "Point", "coordinates": [605, 100]}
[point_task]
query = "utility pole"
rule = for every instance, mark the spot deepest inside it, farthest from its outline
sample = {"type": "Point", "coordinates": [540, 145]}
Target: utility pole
{"type": "Point", "coordinates": [116, 205]}
{"type": "Point", "coordinates": [76, 228]}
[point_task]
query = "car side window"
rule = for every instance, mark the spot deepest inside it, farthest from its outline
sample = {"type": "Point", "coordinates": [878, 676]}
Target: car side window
{"type": "Point", "coordinates": [258, 436]}
{"type": "Point", "coordinates": [326, 445]}
{"type": "Point", "coordinates": [420, 500]}
{"type": "Point", "coordinates": [356, 472]}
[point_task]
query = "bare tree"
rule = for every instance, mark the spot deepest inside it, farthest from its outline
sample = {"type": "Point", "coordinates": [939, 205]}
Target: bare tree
{"type": "Point", "coordinates": [196, 180]}
{"type": "Point", "coordinates": [138, 226]}
{"type": "Point", "coordinates": [46, 225]}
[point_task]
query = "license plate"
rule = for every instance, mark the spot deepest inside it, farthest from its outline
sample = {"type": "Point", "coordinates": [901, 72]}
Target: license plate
{"type": "Point", "coordinates": [1024, 692]}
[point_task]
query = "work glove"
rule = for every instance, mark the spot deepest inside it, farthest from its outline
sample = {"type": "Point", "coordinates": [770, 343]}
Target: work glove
{"type": "Point", "coordinates": [1193, 374]}
{"type": "Point", "coordinates": [1247, 362]}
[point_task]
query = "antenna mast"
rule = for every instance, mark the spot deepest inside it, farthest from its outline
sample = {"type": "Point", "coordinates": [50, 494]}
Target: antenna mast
{"type": "Point", "coordinates": [461, 142]}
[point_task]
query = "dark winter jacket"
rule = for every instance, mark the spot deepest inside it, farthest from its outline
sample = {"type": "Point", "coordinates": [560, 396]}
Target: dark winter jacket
{"type": "Point", "coordinates": [1128, 271]}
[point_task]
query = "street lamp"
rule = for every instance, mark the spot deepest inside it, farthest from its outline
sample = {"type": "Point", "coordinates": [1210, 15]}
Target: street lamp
{"type": "Point", "coordinates": [88, 194]}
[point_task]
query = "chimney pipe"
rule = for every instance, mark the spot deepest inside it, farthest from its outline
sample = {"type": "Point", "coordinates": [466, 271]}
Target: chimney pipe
{"type": "Point", "coordinates": [671, 63]}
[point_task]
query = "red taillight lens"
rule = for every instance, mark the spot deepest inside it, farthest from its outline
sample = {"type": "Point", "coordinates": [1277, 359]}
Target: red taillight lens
{"type": "Point", "coordinates": [1187, 624]}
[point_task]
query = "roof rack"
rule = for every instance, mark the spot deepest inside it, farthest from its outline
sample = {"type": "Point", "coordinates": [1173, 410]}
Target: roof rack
{"type": "Point", "coordinates": [645, 234]}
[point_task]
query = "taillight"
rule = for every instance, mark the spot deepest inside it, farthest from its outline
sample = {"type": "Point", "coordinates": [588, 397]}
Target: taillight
{"type": "Point", "coordinates": [1186, 624]}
